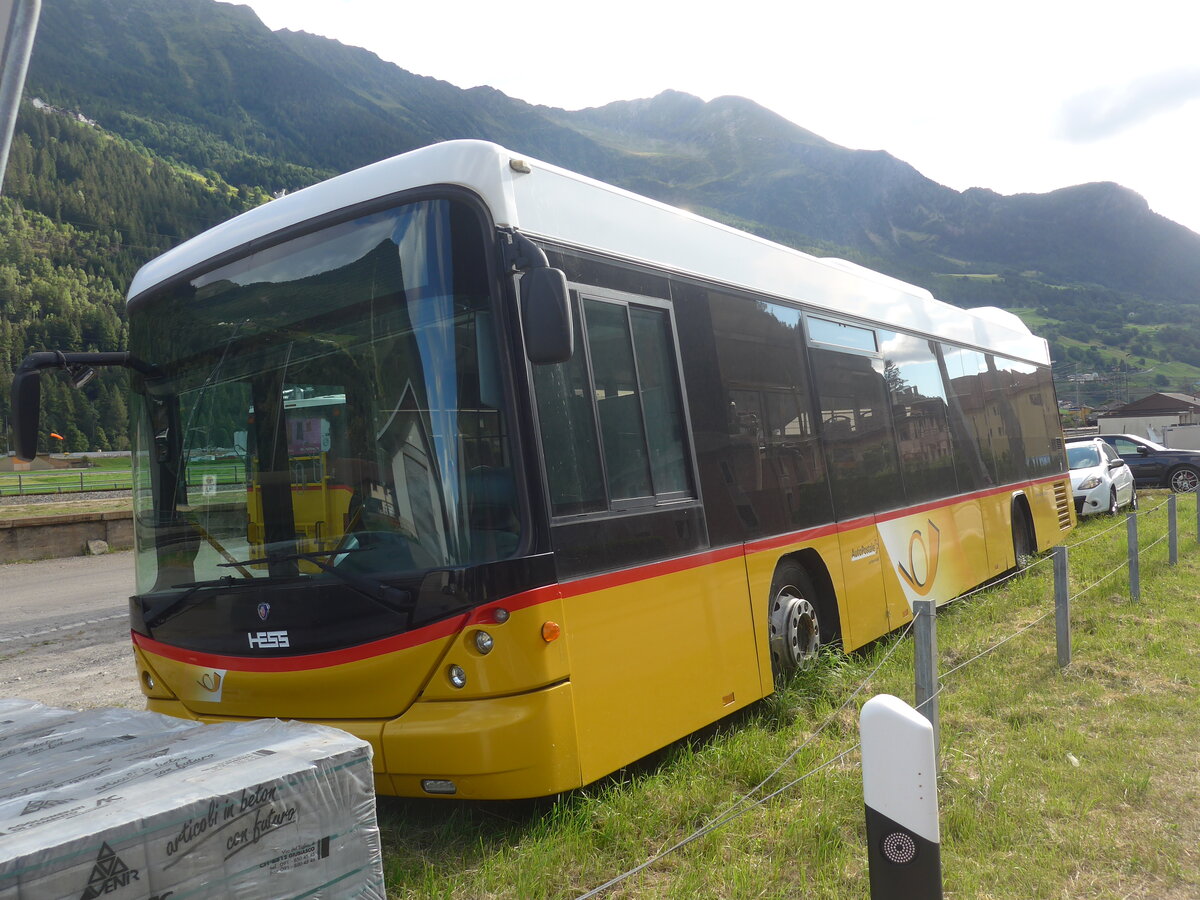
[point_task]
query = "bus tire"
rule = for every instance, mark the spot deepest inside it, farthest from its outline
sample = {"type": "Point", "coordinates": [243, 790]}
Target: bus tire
{"type": "Point", "coordinates": [1024, 542]}
{"type": "Point", "coordinates": [793, 621]}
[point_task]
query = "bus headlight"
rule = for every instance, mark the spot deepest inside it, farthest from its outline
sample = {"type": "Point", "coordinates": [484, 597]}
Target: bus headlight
{"type": "Point", "coordinates": [484, 642]}
{"type": "Point", "coordinates": [458, 678]}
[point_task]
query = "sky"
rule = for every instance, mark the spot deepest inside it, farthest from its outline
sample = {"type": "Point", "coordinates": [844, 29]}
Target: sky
{"type": "Point", "coordinates": [1018, 97]}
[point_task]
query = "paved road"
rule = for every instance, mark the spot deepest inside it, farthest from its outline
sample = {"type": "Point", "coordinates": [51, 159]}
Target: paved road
{"type": "Point", "coordinates": [64, 631]}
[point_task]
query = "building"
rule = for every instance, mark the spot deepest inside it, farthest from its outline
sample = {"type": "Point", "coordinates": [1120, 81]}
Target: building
{"type": "Point", "coordinates": [1165, 417]}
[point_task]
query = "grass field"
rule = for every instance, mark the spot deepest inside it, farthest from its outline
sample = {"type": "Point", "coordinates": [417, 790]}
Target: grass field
{"type": "Point", "coordinates": [107, 473]}
{"type": "Point", "coordinates": [1055, 783]}
{"type": "Point", "coordinates": [1081, 782]}
{"type": "Point", "coordinates": [63, 505]}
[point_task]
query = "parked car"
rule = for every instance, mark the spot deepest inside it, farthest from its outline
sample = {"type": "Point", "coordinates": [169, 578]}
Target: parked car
{"type": "Point", "coordinates": [1100, 479]}
{"type": "Point", "coordinates": [1154, 465]}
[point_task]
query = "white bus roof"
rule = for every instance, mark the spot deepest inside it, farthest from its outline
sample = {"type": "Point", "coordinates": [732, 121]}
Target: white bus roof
{"type": "Point", "coordinates": [546, 201]}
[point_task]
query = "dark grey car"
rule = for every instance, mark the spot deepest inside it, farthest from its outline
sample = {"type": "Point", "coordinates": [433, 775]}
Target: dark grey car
{"type": "Point", "coordinates": [1154, 465]}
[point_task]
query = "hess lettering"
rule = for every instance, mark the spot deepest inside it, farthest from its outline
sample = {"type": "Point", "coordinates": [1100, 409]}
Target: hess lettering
{"type": "Point", "coordinates": [264, 639]}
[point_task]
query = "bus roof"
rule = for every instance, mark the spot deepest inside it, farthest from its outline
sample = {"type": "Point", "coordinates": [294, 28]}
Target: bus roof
{"type": "Point", "coordinates": [543, 200]}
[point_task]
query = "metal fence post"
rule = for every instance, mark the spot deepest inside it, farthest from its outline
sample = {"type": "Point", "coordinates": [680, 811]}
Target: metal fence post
{"type": "Point", "coordinates": [1131, 531]}
{"type": "Point", "coordinates": [1172, 532]}
{"type": "Point", "coordinates": [1062, 607]}
{"type": "Point", "coordinates": [925, 664]}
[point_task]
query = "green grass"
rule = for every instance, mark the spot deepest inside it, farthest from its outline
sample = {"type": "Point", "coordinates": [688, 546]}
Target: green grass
{"type": "Point", "coordinates": [111, 473]}
{"type": "Point", "coordinates": [1175, 372]}
{"type": "Point", "coordinates": [1055, 783]}
{"type": "Point", "coordinates": [64, 481]}
{"type": "Point", "coordinates": [977, 276]}
{"type": "Point", "coordinates": [64, 506]}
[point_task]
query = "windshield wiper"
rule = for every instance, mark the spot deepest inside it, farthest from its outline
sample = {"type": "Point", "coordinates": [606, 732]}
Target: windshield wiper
{"type": "Point", "coordinates": [155, 617]}
{"type": "Point", "coordinates": [391, 598]}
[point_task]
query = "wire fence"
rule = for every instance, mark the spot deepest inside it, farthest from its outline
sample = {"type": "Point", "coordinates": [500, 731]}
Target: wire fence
{"type": "Point", "coordinates": [752, 799]}
{"type": "Point", "coordinates": [74, 481]}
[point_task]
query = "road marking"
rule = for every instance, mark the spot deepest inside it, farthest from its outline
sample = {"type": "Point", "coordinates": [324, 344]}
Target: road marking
{"type": "Point", "coordinates": [33, 634]}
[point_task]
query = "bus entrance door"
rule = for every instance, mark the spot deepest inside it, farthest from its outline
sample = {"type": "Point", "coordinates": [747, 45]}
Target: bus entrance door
{"type": "Point", "coordinates": [862, 571]}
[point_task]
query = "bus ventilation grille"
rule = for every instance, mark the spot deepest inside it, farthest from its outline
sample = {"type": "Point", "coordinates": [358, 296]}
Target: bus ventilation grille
{"type": "Point", "coordinates": [1062, 503]}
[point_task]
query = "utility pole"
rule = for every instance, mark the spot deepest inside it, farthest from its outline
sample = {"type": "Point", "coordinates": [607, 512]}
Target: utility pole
{"type": "Point", "coordinates": [18, 24]}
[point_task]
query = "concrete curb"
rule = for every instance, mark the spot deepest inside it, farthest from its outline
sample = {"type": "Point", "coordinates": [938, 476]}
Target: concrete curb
{"type": "Point", "coordinates": [52, 537]}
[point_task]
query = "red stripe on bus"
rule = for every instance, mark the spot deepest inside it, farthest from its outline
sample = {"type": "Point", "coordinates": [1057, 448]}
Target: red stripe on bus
{"type": "Point", "coordinates": [808, 534]}
{"type": "Point", "coordinates": [484, 615]}
{"type": "Point", "coordinates": [307, 661]}
{"type": "Point", "coordinates": [324, 659]}
{"type": "Point", "coordinates": [651, 570]}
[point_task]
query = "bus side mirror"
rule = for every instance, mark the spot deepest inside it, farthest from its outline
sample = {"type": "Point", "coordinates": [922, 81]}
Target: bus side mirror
{"type": "Point", "coordinates": [546, 316]}
{"type": "Point", "coordinates": [26, 405]}
{"type": "Point", "coordinates": [26, 387]}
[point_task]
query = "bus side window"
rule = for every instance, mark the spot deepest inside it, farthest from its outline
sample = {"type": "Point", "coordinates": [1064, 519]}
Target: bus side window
{"type": "Point", "coordinates": [568, 429]}
{"type": "Point", "coordinates": [920, 415]}
{"type": "Point", "coordinates": [661, 401]}
{"type": "Point", "coordinates": [963, 375]}
{"type": "Point", "coordinates": [619, 408]}
{"type": "Point", "coordinates": [860, 444]}
{"type": "Point", "coordinates": [611, 417]}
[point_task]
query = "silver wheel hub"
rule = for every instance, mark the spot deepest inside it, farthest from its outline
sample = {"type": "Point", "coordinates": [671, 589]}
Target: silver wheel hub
{"type": "Point", "coordinates": [795, 632]}
{"type": "Point", "coordinates": [1183, 481]}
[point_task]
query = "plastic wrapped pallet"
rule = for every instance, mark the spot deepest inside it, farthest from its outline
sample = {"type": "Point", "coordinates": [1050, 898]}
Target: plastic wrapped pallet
{"type": "Point", "coordinates": [133, 805]}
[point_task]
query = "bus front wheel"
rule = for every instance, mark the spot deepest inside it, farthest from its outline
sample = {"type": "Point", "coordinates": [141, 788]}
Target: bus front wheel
{"type": "Point", "coordinates": [793, 622]}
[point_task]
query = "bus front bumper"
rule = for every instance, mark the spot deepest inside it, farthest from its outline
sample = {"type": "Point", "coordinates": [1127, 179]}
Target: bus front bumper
{"type": "Point", "coordinates": [498, 748]}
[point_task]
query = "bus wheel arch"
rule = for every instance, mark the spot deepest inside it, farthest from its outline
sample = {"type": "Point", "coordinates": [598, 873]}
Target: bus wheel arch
{"type": "Point", "coordinates": [1024, 534]}
{"type": "Point", "coordinates": [802, 613]}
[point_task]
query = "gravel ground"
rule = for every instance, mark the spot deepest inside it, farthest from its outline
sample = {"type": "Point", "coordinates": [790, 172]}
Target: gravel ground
{"type": "Point", "coordinates": [60, 498]}
{"type": "Point", "coordinates": [64, 632]}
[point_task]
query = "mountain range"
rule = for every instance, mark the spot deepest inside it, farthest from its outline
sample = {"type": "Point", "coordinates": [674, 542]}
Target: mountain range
{"type": "Point", "coordinates": [224, 113]}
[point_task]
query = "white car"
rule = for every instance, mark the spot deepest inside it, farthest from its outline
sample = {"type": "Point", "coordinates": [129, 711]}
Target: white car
{"type": "Point", "coordinates": [1100, 479]}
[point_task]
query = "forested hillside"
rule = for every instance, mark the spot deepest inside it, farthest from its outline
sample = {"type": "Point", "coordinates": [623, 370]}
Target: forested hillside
{"type": "Point", "coordinates": [159, 118]}
{"type": "Point", "coordinates": [81, 211]}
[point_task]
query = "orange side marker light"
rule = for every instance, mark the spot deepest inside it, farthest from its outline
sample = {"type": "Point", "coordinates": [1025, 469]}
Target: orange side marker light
{"type": "Point", "coordinates": [550, 631]}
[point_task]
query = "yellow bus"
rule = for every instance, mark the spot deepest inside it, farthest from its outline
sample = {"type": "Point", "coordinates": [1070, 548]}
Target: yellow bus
{"type": "Point", "coordinates": [324, 507]}
{"type": "Point", "coordinates": [608, 471]}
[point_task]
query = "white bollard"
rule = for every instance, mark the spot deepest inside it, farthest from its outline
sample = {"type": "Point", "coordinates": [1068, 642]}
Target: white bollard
{"type": "Point", "coordinates": [900, 795]}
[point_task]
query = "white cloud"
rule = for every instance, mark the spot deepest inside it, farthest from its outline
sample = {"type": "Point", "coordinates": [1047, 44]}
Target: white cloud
{"type": "Point", "coordinates": [1104, 112]}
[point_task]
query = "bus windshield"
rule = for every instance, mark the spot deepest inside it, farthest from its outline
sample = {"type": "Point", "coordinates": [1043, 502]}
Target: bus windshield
{"type": "Point", "coordinates": [330, 404]}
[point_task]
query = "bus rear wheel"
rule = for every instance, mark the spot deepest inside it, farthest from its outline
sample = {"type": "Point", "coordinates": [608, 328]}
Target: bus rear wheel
{"type": "Point", "coordinates": [1024, 542]}
{"type": "Point", "coordinates": [793, 621]}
